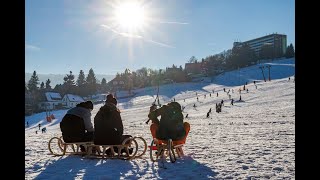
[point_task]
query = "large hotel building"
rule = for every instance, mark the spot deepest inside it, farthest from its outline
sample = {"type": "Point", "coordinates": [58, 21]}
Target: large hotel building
{"type": "Point", "coordinates": [277, 41]}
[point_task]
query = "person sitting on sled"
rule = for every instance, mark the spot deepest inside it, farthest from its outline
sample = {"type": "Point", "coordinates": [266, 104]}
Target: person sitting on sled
{"type": "Point", "coordinates": [108, 125]}
{"type": "Point", "coordinates": [76, 125]}
{"type": "Point", "coordinates": [171, 125]}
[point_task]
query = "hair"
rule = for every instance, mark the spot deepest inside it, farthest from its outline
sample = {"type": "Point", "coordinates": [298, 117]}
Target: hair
{"type": "Point", "coordinates": [87, 104]}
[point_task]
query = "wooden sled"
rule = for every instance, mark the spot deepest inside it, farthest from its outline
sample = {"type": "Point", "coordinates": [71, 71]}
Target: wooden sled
{"type": "Point", "coordinates": [58, 147]}
{"type": "Point", "coordinates": [164, 150]}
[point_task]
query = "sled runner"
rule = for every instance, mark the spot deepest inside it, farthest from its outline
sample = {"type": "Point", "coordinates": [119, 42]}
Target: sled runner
{"type": "Point", "coordinates": [162, 150]}
{"type": "Point", "coordinates": [129, 149]}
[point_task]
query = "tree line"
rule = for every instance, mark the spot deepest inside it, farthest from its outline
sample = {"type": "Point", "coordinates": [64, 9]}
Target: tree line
{"type": "Point", "coordinates": [84, 86]}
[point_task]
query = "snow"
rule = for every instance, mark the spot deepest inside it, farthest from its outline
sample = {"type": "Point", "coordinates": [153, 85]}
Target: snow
{"type": "Point", "coordinates": [52, 96]}
{"type": "Point", "coordinates": [254, 139]}
{"type": "Point", "coordinates": [74, 98]}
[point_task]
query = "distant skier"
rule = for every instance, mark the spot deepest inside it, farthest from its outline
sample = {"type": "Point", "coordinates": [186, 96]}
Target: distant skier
{"type": "Point", "coordinates": [232, 102]}
{"type": "Point", "coordinates": [289, 79]}
{"type": "Point", "coordinates": [208, 114]}
{"type": "Point", "coordinates": [240, 98]}
{"type": "Point", "coordinates": [254, 82]}
{"type": "Point", "coordinates": [217, 94]}
{"type": "Point", "coordinates": [218, 107]}
{"type": "Point", "coordinates": [247, 90]}
{"type": "Point", "coordinates": [210, 94]}
{"type": "Point", "coordinates": [39, 126]}
{"type": "Point", "coordinates": [210, 110]}
{"type": "Point", "coordinates": [222, 102]}
{"type": "Point", "coordinates": [27, 124]}
{"type": "Point", "coordinates": [187, 115]}
{"type": "Point", "coordinates": [197, 98]}
{"type": "Point", "coordinates": [244, 87]}
{"type": "Point", "coordinates": [194, 105]}
{"type": "Point", "coordinates": [224, 89]}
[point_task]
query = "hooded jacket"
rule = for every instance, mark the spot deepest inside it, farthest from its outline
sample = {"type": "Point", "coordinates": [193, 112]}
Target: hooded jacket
{"type": "Point", "coordinates": [108, 125]}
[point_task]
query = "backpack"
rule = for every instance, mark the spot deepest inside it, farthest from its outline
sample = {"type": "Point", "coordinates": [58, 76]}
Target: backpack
{"type": "Point", "coordinates": [171, 123]}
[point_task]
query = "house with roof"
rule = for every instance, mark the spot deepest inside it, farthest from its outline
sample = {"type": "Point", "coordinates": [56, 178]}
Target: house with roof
{"type": "Point", "coordinates": [71, 100]}
{"type": "Point", "coordinates": [52, 100]}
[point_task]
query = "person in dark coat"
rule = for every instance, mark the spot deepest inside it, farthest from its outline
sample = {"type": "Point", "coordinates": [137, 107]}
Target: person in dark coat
{"type": "Point", "coordinates": [76, 125]}
{"type": "Point", "coordinates": [171, 125]}
{"type": "Point", "coordinates": [108, 124]}
{"type": "Point", "coordinates": [109, 127]}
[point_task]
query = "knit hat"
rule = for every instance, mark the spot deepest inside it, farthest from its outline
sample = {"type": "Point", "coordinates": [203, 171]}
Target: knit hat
{"type": "Point", "coordinates": [110, 97]}
{"type": "Point", "coordinates": [87, 104]}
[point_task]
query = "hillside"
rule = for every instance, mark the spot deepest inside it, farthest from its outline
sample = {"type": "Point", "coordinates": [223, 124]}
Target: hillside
{"type": "Point", "coordinates": [252, 139]}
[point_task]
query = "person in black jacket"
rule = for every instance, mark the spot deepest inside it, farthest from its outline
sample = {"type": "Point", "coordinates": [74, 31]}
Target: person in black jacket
{"type": "Point", "coordinates": [76, 125]}
{"type": "Point", "coordinates": [108, 125]}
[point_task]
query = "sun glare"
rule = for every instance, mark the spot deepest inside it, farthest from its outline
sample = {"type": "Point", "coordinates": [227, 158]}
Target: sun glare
{"type": "Point", "coordinates": [130, 15]}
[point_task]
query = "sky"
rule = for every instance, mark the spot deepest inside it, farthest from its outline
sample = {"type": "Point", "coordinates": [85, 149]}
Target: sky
{"type": "Point", "coordinates": [253, 139]}
{"type": "Point", "coordinates": [107, 36]}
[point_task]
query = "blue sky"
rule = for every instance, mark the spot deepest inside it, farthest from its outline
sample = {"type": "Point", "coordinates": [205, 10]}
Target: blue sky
{"type": "Point", "coordinates": [64, 35]}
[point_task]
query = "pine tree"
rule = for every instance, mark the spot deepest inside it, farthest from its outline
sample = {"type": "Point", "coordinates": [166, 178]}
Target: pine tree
{"type": "Point", "coordinates": [68, 85]}
{"type": "Point", "coordinates": [81, 79]}
{"type": "Point", "coordinates": [33, 82]}
{"type": "Point", "coordinates": [103, 84]}
{"type": "Point", "coordinates": [91, 82]}
{"type": "Point", "coordinates": [91, 78]}
{"type": "Point", "coordinates": [48, 87]}
{"type": "Point", "coordinates": [289, 51]}
{"type": "Point", "coordinates": [69, 79]}
{"type": "Point", "coordinates": [42, 86]}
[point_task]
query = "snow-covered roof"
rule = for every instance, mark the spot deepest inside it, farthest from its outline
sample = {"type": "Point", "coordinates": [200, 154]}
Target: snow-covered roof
{"type": "Point", "coordinates": [53, 96]}
{"type": "Point", "coordinates": [74, 98]}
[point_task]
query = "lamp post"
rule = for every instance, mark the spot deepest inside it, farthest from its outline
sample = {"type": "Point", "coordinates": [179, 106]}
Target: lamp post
{"type": "Point", "coordinates": [261, 67]}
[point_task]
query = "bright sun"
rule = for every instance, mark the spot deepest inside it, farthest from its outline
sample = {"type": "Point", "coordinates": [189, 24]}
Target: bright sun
{"type": "Point", "coordinates": [130, 15]}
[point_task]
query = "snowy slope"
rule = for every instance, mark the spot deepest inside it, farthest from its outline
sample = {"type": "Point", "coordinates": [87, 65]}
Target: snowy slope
{"type": "Point", "coordinates": [253, 139]}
